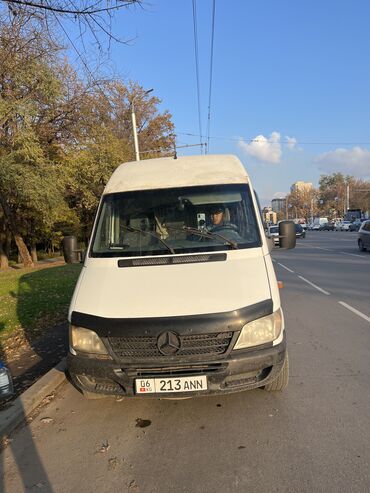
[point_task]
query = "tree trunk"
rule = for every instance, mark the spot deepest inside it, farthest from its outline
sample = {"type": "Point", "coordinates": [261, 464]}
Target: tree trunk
{"type": "Point", "coordinates": [22, 249]}
{"type": "Point", "coordinates": [8, 244]}
{"type": "Point", "coordinates": [4, 261]}
{"type": "Point", "coordinates": [34, 252]}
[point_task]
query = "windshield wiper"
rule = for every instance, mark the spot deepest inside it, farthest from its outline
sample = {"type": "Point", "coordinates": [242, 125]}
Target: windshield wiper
{"type": "Point", "coordinates": [138, 230]}
{"type": "Point", "coordinates": [204, 234]}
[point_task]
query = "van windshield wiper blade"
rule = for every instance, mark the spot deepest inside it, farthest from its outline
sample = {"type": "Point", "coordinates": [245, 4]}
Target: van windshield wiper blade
{"type": "Point", "coordinates": [205, 234]}
{"type": "Point", "coordinates": [151, 233]}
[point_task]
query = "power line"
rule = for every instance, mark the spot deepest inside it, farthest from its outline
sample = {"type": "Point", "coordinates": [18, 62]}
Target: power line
{"type": "Point", "coordinates": [211, 74]}
{"type": "Point", "coordinates": [251, 140]}
{"type": "Point", "coordinates": [197, 66]}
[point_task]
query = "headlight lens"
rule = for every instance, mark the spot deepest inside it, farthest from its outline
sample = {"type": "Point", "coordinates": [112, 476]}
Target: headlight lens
{"type": "Point", "coordinates": [260, 331]}
{"type": "Point", "coordinates": [86, 341]}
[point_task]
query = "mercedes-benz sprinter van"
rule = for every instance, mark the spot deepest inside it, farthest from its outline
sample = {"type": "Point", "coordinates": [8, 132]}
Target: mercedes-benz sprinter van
{"type": "Point", "coordinates": [178, 295]}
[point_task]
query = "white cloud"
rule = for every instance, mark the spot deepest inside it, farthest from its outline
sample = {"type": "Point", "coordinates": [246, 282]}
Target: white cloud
{"type": "Point", "coordinates": [355, 161]}
{"type": "Point", "coordinates": [267, 149]}
{"type": "Point", "coordinates": [279, 195]}
{"type": "Point", "coordinates": [263, 149]}
{"type": "Point", "coordinates": [291, 142]}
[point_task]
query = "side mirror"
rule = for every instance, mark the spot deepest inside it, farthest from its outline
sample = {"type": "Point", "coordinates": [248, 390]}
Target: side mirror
{"type": "Point", "coordinates": [287, 234]}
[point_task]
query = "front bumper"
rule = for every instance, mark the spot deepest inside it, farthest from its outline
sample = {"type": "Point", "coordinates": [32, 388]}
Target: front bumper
{"type": "Point", "coordinates": [241, 370]}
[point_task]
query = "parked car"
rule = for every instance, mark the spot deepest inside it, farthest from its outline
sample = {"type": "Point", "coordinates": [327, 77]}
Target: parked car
{"type": "Point", "coordinates": [338, 226]}
{"type": "Point", "coordinates": [273, 232]}
{"type": "Point", "coordinates": [363, 240]}
{"type": "Point", "coordinates": [355, 225]}
{"type": "Point", "coordinates": [327, 227]}
{"type": "Point", "coordinates": [299, 231]}
{"type": "Point", "coordinates": [6, 383]}
{"type": "Point", "coordinates": [316, 227]}
{"type": "Point", "coordinates": [345, 226]}
{"type": "Point", "coordinates": [304, 226]}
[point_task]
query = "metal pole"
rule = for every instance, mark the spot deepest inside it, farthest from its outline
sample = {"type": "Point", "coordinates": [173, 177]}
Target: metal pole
{"type": "Point", "coordinates": [347, 196]}
{"type": "Point", "coordinates": [311, 211]}
{"type": "Point", "coordinates": [134, 131]}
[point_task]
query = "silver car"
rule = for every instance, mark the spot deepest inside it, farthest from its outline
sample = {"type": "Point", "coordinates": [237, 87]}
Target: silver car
{"type": "Point", "coordinates": [363, 240]}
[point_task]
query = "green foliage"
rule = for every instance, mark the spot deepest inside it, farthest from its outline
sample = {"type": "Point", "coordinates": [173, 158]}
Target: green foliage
{"type": "Point", "coordinates": [62, 137]}
{"type": "Point", "coordinates": [34, 299]}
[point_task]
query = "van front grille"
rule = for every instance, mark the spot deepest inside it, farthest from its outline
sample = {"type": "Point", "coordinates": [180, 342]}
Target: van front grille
{"type": "Point", "coordinates": [191, 345]}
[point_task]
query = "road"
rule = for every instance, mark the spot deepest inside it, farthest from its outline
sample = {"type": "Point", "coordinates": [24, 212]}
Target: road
{"type": "Point", "coordinates": [314, 437]}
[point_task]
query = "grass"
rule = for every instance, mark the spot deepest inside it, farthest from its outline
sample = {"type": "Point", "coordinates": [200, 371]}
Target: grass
{"type": "Point", "coordinates": [33, 299]}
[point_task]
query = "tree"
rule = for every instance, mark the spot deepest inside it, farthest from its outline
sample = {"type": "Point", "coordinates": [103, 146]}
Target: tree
{"type": "Point", "coordinates": [107, 142]}
{"type": "Point", "coordinates": [93, 16]}
{"type": "Point", "coordinates": [61, 137]}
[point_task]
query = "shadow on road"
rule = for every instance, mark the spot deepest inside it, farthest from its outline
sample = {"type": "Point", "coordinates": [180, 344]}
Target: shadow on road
{"type": "Point", "coordinates": [43, 351]}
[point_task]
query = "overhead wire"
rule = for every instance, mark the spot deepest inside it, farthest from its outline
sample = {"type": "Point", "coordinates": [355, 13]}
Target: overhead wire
{"type": "Point", "coordinates": [211, 74]}
{"type": "Point", "coordinates": [269, 141]}
{"type": "Point", "coordinates": [196, 52]}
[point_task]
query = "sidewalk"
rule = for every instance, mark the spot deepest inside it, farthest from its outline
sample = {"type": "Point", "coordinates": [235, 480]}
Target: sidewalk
{"type": "Point", "coordinates": [31, 363]}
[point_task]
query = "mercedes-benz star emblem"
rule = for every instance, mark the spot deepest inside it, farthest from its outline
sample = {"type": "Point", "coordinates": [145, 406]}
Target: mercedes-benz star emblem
{"type": "Point", "coordinates": [168, 343]}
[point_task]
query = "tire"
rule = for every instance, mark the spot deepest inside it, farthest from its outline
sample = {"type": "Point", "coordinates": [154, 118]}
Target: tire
{"type": "Point", "coordinates": [281, 381]}
{"type": "Point", "coordinates": [361, 246]}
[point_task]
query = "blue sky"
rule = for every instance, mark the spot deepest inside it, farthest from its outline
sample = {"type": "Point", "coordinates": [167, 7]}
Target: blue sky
{"type": "Point", "coordinates": [297, 69]}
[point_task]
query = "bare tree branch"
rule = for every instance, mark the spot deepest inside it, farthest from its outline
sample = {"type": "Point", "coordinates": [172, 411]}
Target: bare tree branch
{"type": "Point", "coordinates": [89, 10]}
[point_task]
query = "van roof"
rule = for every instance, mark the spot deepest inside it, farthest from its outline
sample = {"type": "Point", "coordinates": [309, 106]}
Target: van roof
{"type": "Point", "coordinates": [184, 171]}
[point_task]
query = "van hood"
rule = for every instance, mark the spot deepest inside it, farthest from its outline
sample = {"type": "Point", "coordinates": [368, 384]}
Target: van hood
{"type": "Point", "coordinates": [109, 291]}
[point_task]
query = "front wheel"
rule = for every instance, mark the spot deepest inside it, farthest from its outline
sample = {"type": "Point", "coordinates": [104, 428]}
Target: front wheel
{"type": "Point", "coordinates": [361, 246]}
{"type": "Point", "coordinates": [281, 381]}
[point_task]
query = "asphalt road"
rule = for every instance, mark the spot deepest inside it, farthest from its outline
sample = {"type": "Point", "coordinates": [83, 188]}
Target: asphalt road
{"type": "Point", "coordinates": [314, 437]}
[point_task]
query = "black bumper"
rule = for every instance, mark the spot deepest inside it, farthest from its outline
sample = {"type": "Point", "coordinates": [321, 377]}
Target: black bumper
{"type": "Point", "coordinates": [240, 370]}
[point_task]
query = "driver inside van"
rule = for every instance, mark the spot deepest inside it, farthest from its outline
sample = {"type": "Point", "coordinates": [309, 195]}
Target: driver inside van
{"type": "Point", "coordinates": [217, 217]}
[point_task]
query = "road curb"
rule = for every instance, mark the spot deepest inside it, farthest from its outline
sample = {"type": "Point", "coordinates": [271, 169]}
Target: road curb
{"type": "Point", "coordinates": [23, 405]}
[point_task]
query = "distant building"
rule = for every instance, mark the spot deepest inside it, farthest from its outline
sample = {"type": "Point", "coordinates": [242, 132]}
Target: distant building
{"type": "Point", "coordinates": [301, 186]}
{"type": "Point", "coordinates": [269, 215]}
{"type": "Point", "coordinates": [278, 205]}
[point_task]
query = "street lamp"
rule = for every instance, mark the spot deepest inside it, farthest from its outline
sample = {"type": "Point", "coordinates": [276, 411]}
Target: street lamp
{"type": "Point", "coordinates": [134, 129]}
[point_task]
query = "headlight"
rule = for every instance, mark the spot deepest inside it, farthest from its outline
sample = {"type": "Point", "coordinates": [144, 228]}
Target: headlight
{"type": "Point", "coordinates": [260, 331]}
{"type": "Point", "coordinates": [86, 341]}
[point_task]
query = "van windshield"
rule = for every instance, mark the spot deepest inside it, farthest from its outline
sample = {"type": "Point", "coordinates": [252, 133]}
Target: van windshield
{"type": "Point", "coordinates": [176, 220]}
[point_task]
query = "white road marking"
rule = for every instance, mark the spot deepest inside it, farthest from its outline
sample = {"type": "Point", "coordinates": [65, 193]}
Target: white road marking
{"type": "Point", "coordinates": [314, 285]}
{"type": "Point", "coordinates": [326, 249]}
{"type": "Point", "coordinates": [286, 268]}
{"type": "Point", "coordinates": [352, 254]}
{"type": "Point", "coordinates": [362, 315]}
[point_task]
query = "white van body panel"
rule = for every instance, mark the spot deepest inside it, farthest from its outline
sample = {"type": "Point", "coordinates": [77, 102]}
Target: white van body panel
{"type": "Point", "coordinates": [245, 278]}
{"type": "Point", "coordinates": [106, 290]}
{"type": "Point", "coordinates": [171, 173]}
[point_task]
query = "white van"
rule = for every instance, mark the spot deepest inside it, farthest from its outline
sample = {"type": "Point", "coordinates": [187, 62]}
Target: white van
{"type": "Point", "coordinates": [178, 294]}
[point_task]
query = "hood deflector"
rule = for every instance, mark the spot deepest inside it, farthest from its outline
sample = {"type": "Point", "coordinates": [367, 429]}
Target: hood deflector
{"type": "Point", "coordinates": [189, 324]}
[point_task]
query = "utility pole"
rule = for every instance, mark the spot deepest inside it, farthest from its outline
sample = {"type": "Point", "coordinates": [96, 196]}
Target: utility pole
{"type": "Point", "coordinates": [134, 128]}
{"type": "Point", "coordinates": [311, 211]}
{"type": "Point", "coordinates": [347, 196]}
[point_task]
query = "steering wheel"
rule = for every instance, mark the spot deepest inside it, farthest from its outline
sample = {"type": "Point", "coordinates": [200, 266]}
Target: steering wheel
{"type": "Point", "coordinates": [232, 227]}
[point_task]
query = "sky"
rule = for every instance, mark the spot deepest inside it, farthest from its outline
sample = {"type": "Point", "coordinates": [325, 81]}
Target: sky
{"type": "Point", "coordinates": [290, 85]}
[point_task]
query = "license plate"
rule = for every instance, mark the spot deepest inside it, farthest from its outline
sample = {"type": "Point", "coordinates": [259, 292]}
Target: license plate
{"type": "Point", "coordinates": [169, 385]}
